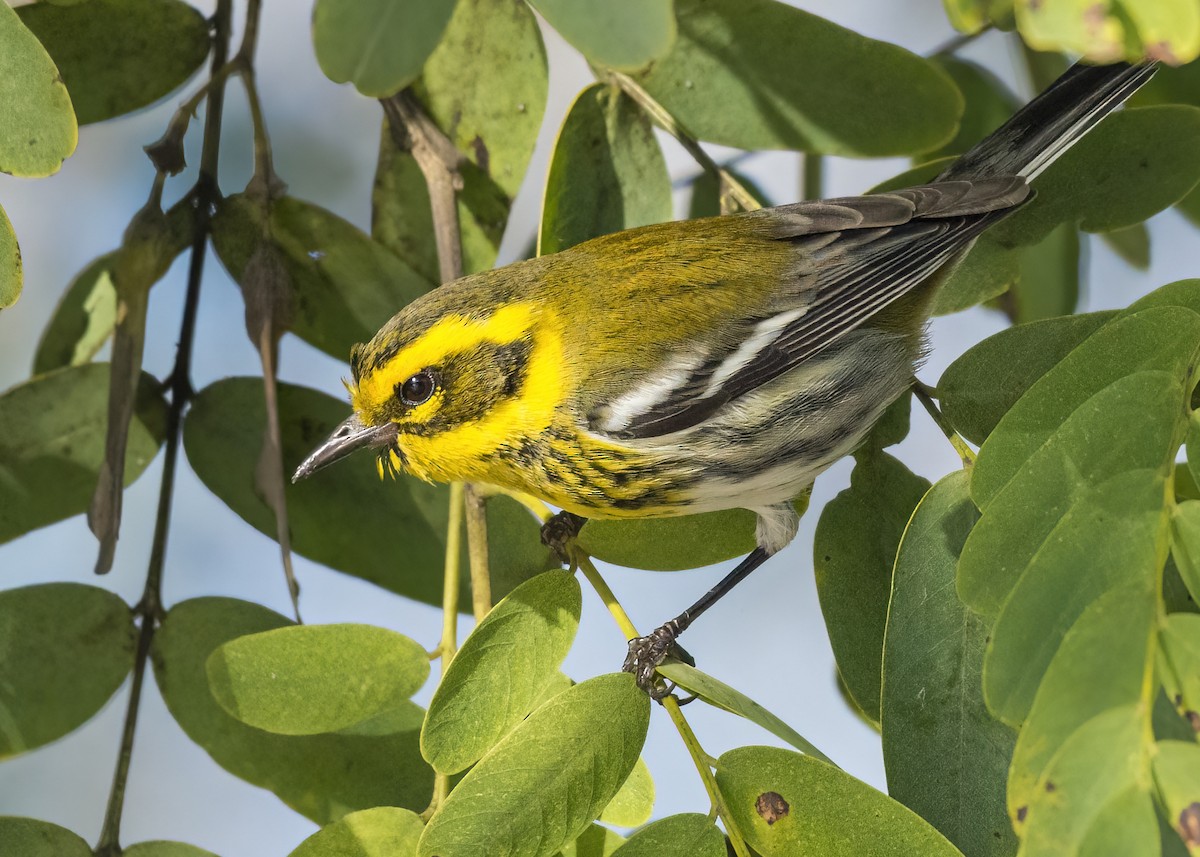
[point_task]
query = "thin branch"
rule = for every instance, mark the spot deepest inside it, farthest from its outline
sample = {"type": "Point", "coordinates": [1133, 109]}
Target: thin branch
{"type": "Point", "coordinates": [150, 609]}
{"type": "Point", "coordinates": [925, 395]}
{"type": "Point", "coordinates": [730, 189]}
{"type": "Point", "coordinates": [477, 552]}
{"type": "Point", "coordinates": [956, 43]}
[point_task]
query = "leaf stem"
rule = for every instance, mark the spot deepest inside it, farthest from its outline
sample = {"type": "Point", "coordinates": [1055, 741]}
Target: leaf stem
{"type": "Point", "coordinates": [477, 552]}
{"type": "Point", "coordinates": [730, 189]}
{"type": "Point", "coordinates": [150, 609]}
{"type": "Point", "coordinates": [925, 396]}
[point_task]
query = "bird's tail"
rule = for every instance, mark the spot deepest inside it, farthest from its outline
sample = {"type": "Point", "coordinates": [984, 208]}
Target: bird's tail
{"type": "Point", "coordinates": [1052, 122]}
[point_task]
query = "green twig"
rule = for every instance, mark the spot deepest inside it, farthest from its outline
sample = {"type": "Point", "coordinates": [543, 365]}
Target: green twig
{"type": "Point", "coordinates": [925, 395]}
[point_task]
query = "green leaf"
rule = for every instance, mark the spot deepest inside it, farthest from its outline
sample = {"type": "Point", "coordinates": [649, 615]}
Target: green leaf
{"type": "Point", "coordinates": [116, 56]}
{"type": "Point", "coordinates": [1126, 29]}
{"type": "Point", "coordinates": [1101, 665]}
{"type": "Point", "coordinates": [549, 778]}
{"type": "Point", "coordinates": [988, 104]}
{"type": "Point", "coordinates": [988, 271]}
{"type": "Point", "coordinates": [1177, 776]}
{"type": "Point", "coordinates": [39, 130]}
{"type": "Point", "coordinates": [162, 848]}
{"type": "Point", "coordinates": [758, 74]}
{"type": "Point", "coordinates": [66, 648]}
{"type": "Point", "coordinates": [595, 841]}
{"type": "Point", "coordinates": [29, 837]}
{"type": "Point", "coordinates": [944, 754]}
{"type": "Point", "coordinates": [787, 804]}
{"type": "Point", "coordinates": [967, 16]}
{"type": "Point", "coordinates": [1185, 544]}
{"type": "Point", "coordinates": [384, 831]}
{"type": "Point", "coordinates": [10, 263]}
{"type": "Point", "coordinates": [607, 172]}
{"type": "Point", "coordinates": [378, 45]}
{"type": "Point", "coordinates": [311, 679]}
{"type": "Point", "coordinates": [346, 285]}
{"type": "Point", "coordinates": [621, 34]}
{"type": "Point", "coordinates": [52, 433]}
{"type": "Point", "coordinates": [1132, 243]}
{"type": "Point", "coordinates": [854, 549]}
{"type": "Point", "coordinates": [671, 544]}
{"type": "Point", "coordinates": [1193, 445]}
{"type": "Point", "coordinates": [86, 314]}
{"type": "Point", "coordinates": [634, 802]}
{"type": "Point", "coordinates": [1179, 662]}
{"type": "Point", "coordinates": [346, 517]}
{"type": "Point", "coordinates": [688, 835]}
{"type": "Point", "coordinates": [500, 671]}
{"type": "Point", "coordinates": [1047, 283]}
{"type": "Point", "coordinates": [717, 693]}
{"type": "Point", "coordinates": [1084, 795]}
{"type": "Point", "coordinates": [323, 777]}
{"type": "Point", "coordinates": [980, 387]}
{"type": "Point", "coordinates": [706, 194]}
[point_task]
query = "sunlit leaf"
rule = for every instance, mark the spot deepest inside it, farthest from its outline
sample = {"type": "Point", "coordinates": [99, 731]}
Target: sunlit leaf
{"type": "Point", "coordinates": [39, 130]}
{"type": "Point", "coordinates": [620, 34]}
{"type": "Point", "coordinates": [378, 45]}
{"type": "Point", "coordinates": [116, 56]}
{"type": "Point", "coordinates": [745, 73]}
{"type": "Point", "coordinates": [1177, 775]}
{"type": "Point", "coordinates": [384, 831]}
{"type": "Point", "coordinates": [1104, 32]}
{"type": "Point", "coordinates": [1179, 659]}
{"type": "Point", "coordinates": [688, 835]}
{"type": "Point", "coordinates": [634, 802]}
{"type": "Point", "coordinates": [161, 848]}
{"type": "Point", "coordinates": [595, 841]}
{"type": "Point", "coordinates": [10, 263]}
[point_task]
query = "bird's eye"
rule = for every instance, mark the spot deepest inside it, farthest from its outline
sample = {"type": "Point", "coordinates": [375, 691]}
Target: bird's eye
{"type": "Point", "coordinates": [417, 389]}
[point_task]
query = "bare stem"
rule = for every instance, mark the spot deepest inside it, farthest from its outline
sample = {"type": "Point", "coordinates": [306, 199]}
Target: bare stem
{"type": "Point", "coordinates": [477, 552]}
{"type": "Point", "coordinates": [925, 396]}
{"type": "Point", "coordinates": [149, 609]}
{"type": "Point", "coordinates": [731, 190]}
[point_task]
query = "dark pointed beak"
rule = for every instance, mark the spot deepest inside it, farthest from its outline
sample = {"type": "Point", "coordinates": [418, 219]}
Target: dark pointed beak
{"type": "Point", "coordinates": [348, 437]}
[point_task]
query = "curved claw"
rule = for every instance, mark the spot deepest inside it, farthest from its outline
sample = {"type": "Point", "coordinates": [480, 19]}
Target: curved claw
{"type": "Point", "coordinates": [647, 653]}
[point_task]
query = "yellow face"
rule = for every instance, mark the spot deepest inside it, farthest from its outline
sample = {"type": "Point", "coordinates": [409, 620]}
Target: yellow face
{"type": "Point", "coordinates": [460, 392]}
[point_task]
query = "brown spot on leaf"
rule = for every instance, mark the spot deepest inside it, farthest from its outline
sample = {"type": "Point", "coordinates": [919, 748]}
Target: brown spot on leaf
{"type": "Point", "coordinates": [771, 807]}
{"type": "Point", "coordinates": [1162, 52]}
{"type": "Point", "coordinates": [1050, 787]}
{"type": "Point", "coordinates": [1193, 718]}
{"type": "Point", "coordinates": [1189, 824]}
{"type": "Point", "coordinates": [1021, 813]}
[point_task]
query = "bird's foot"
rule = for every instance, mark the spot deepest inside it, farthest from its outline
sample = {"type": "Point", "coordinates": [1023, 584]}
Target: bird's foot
{"type": "Point", "coordinates": [647, 653]}
{"type": "Point", "coordinates": [559, 532]}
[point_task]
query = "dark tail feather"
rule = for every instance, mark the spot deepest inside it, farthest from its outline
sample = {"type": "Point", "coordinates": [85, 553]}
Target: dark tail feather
{"type": "Point", "coordinates": [1052, 122]}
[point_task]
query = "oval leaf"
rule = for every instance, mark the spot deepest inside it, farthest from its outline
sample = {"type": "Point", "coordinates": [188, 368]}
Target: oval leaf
{"type": "Point", "coordinates": [1125, 29]}
{"type": "Point", "coordinates": [1177, 775]}
{"type": "Point", "coordinates": [501, 671]}
{"type": "Point", "coordinates": [65, 649]}
{"type": "Point", "coordinates": [323, 777]}
{"type": "Point", "coordinates": [945, 756]}
{"type": "Point", "coordinates": [39, 130]}
{"type": "Point", "coordinates": [671, 544]}
{"type": "Point", "coordinates": [315, 678]}
{"type": "Point", "coordinates": [29, 837]}
{"type": "Point", "coordinates": [787, 804]}
{"type": "Point", "coordinates": [116, 56]}
{"type": "Point", "coordinates": [620, 34]}
{"type": "Point", "coordinates": [162, 848]}
{"type": "Point", "coordinates": [688, 835]}
{"type": "Point", "coordinates": [384, 830]}
{"type": "Point", "coordinates": [346, 517]}
{"type": "Point", "coordinates": [634, 803]}
{"type": "Point", "coordinates": [378, 45]}
{"type": "Point", "coordinates": [549, 778]}
{"type": "Point", "coordinates": [52, 433]}
{"type": "Point", "coordinates": [758, 74]}
{"type": "Point", "coordinates": [10, 263]}
{"type": "Point", "coordinates": [1185, 544]}
{"type": "Point", "coordinates": [607, 172]}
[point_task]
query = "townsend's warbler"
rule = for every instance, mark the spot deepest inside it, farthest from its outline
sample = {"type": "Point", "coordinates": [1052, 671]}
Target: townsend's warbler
{"type": "Point", "coordinates": [698, 365]}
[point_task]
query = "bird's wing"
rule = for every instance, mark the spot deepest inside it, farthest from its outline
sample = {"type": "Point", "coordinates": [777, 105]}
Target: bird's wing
{"type": "Point", "coordinates": [854, 256]}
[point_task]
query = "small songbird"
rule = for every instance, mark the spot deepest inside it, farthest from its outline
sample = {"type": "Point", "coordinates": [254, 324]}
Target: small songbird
{"type": "Point", "coordinates": [696, 365]}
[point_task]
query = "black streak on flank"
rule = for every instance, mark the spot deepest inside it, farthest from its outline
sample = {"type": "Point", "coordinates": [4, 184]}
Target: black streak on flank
{"type": "Point", "coordinates": [771, 807]}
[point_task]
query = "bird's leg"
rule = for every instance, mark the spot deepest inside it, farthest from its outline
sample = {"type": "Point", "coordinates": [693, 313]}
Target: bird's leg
{"type": "Point", "coordinates": [646, 653]}
{"type": "Point", "coordinates": [560, 531]}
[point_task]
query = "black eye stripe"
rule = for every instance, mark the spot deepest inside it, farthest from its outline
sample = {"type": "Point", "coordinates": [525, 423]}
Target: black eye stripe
{"type": "Point", "coordinates": [417, 389]}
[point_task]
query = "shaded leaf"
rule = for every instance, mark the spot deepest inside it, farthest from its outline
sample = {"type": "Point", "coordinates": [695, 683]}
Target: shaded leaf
{"type": "Point", "coordinates": [980, 387]}
{"type": "Point", "coordinates": [346, 284]}
{"type": "Point", "coordinates": [787, 804]}
{"type": "Point", "coordinates": [549, 778]}
{"type": "Point", "coordinates": [607, 172]}
{"type": "Point", "coordinates": [945, 756]}
{"type": "Point", "coordinates": [1177, 776]}
{"type": "Point", "coordinates": [634, 802]}
{"type": "Point", "coordinates": [988, 271]}
{"type": "Point", "coordinates": [323, 777]}
{"type": "Point", "coordinates": [39, 130]}
{"type": "Point", "coordinates": [688, 835]}
{"type": "Point", "coordinates": [10, 263]}
{"type": "Point", "coordinates": [1047, 283]}
{"type": "Point", "coordinates": [1185, 544]}
{"type": "Point", "coordinates": [309, 679]}
{"type": "Point", "coordinates": [854, 549]}
{"type": "Point", "coordinates": [501, 670]}
{"type": "Point", "coordinates": [671, 544]}
{"type": "Point", "coordinates": [65, 648]}
{"type": "Point", "coordinates": [162, 848]}
{"type": "Point", "coordinates": [1132, 243]}
{"type": "Point", "coordinates": [1179, 661]}
{"type": "Point", "coordinates": [741, 74]}
{"type": "Point", "coordinates": [1193, 445]}
{"type": "Point", "coordinates": [988, 104]}
{"type": "Point", "coordinates": [378, 45]}
{"type": "Point", "coordinates": [621, 34]}
{"type": "Point", "coordinates": [346, 517]}
{"type": "Point", "coordinates": [116, 56]}
{"type": "Point", "coordinates": [717, 693]}
{"type": "Point", "coordinates": [30, 837]}
{"type": "Point", "coordinates": [52, 433]}
{"type": "Point", "coordinates": [595, 841]}
{"type": "Point", "coordinates": [383, 831]}
{"type": "Point", "coordinates": [706, 194]}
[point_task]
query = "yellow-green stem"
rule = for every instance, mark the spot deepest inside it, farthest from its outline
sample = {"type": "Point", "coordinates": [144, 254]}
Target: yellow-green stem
{"type": "Point", "coordinates": [477, 551]}
{"type": "Point", "coordinates": [925, 396]}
